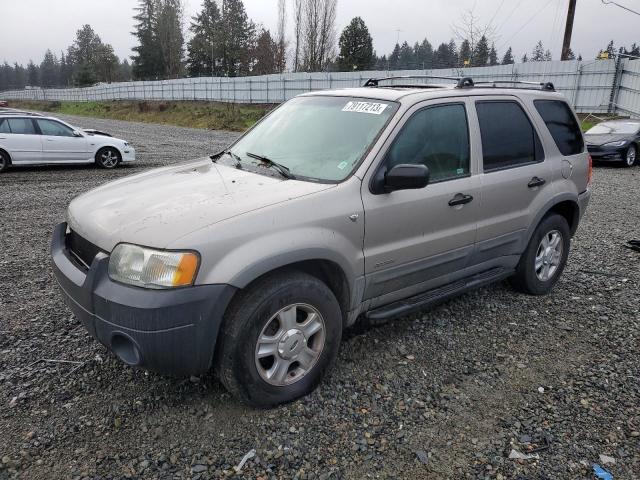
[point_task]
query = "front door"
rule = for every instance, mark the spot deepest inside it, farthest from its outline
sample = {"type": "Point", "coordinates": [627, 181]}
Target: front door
{"type": "Point", "coordinates": [59, 144]}
{"type": "Point", "coordinates": [419, 239]}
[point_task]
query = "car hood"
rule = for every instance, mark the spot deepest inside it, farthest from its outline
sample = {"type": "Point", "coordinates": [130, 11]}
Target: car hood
{"type": "Point", "coordinates": [601, 139]}
{"type": "Point", "coordinates": [158, 207]}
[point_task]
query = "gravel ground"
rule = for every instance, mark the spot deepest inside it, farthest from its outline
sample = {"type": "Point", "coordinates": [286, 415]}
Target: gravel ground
{"type": "Point", "coordinates": [447, 393]}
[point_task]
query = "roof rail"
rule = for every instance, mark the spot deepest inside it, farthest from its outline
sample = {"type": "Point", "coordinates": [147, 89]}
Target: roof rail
{"type": "Point", "coordinates": [460, 81]}
{"type": "Point", "coordinates": [547, 86]}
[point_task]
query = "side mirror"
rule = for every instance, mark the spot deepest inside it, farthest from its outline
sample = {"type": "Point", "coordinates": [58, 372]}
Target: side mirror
{"type": "Point", "coordinates": [77, 134]}
{"type": "Point", "coordinates": [406, 177]}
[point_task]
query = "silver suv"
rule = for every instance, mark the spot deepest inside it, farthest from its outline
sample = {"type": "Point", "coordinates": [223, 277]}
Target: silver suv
{"type": "Point", "coordinates": [366, 203]}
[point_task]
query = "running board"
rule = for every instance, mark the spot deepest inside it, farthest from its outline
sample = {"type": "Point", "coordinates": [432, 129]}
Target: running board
{"type": "Point", "coordinates": [437, 295]}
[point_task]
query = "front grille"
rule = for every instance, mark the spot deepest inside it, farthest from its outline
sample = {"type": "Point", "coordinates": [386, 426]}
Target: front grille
{"type": "Point", "coordinates": [83, 250]}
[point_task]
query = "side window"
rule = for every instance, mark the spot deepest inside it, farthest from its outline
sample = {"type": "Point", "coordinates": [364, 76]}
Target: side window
{"type": "Point", "coordinates": [437, 137]}
{"type": "Point", "coordinates": [4, 126]}
{"type": "Point", "coordinates": [508, 137]}
{"type": "Point", "coordinates": [49, 127]}
{"type": "Point", "coordinates": [562, 125]}
{"type": "Point", "coordinates": [23, 126]}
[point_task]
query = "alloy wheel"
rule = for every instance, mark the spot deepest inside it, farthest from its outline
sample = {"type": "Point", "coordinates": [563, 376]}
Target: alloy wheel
{"type": "Point", "coordinates": [548, 255]}
{"type": "Point", "coordinates": [108, 158]}
{"type": "Point", "coordinates": [290, 344]}
{"type": "Point", "coordinates": [631, 156]}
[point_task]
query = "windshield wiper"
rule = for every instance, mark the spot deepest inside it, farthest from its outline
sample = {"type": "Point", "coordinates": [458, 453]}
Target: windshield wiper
{"type": "Point", "coordinates": [214, 158]}
{"type": "Point", "coordinates": [284, 171]}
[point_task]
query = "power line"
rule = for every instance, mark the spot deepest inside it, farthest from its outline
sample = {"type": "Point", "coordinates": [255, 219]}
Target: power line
{"type": "Point", "coordinates": [526, 23]}
{"type": "Point", "coordinates": [609, 2]}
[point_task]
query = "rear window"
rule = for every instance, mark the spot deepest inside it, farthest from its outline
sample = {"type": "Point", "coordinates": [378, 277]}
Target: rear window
{"type": "Point", "coordinates": [508, 137]}
{"type": "Point", "coordinates": [22, 126]}
{"type": "Point", "coordinates": [562, 125]}
{"type": "Point", "coordinates": [4, 126]}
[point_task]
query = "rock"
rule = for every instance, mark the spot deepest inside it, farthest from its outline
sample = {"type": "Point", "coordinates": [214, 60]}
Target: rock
{"type": "Point", "coordinates": [540, 389]}
{"type": "Point", "coordinates": [422, 456]}
{"type": "Point", "coordinates": [199, 468]}
{"type": "Point", "coordinates": [607, 460]}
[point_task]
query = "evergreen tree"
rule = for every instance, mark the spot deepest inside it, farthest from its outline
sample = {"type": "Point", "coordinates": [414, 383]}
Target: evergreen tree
{"type": "Point", "coordinates": [50, 70]}
{"type": "Point", "coordinates": [570, 54]}
{"type": "Point", "coordinates": [356, 47]}
{"type": "Point", "coordinates": [204, 49]}
{"type": "Point", "coordinates": [508, 57]}
{"type": "Point", "coordinates": [481, 53]}
{"type": "Point", "coordinates": [146, 59]}
{"type": "Point", "coordinates": [547, 56]}
{"type": "Point", "coordinates": [538, 53]}
{"type": "Point", "coordinates": [33, 75]}
{"type": "Point", "coordinates": [237, 37]}
{"type": "Point", "coordinates": [66, 70]}
{"type": "Point", "coordinates": [406, 60]}
{"type": "Point", "coordinates": [525, 59]}
{"type": "Point", "coordinates": [493, 56]}
{"type": "Point", "coordinates": [265, 54]}
{"type": "Point", "coordinates": [423, 54]}
{"type": "Point", "coordinates": [19, 76]}
{"type": "Point", "coordinates": [170, 38]}
{"type": "Point", "coordinates": [465, 55]}
{"type": "Point", "coordinates": [394, 58]}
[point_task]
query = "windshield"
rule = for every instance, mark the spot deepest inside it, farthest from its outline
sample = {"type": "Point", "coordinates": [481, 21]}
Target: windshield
{"type": "Point", "coordinates": [615, 128]}
{"type": "Point", "coordinates": [317, 138]}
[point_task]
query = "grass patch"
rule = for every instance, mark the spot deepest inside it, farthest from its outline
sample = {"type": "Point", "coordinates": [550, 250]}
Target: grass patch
{"type": "Point", "coordinates": [206, 115]}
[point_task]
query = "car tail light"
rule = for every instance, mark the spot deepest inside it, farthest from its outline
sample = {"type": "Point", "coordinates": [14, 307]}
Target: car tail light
{"type": "Point", "coordinates": [590, 173]}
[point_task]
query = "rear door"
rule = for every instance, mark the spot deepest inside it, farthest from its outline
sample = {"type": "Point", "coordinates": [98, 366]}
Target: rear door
{"type": "Point", "coordinates": [19, 137]}
{"type": "Point", "coordinates": [515, 178]}
{"type": "Point", "coordinates": [59, 144]}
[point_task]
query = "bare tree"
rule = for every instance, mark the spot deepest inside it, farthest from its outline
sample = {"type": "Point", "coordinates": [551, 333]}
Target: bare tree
{"type": "Point", "coordinates": [298, 9]}
{"type": "Point", "coordinates": [318, 34]}
{"type": "Point", "coordinates": [281, 40]}
{"type": "Point", "coordinates": [469, 28]}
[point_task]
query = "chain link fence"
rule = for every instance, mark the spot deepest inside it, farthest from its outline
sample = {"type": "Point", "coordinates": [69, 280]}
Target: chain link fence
{"type": "Point", "coordinates": [602, 86]}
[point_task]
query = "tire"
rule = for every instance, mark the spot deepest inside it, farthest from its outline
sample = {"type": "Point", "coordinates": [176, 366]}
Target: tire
{"type": "Point", "coordinates": [4, 162]}
{"type": "Point", "coordinates": [631, 156]}
{"type": "Point", "coordinates": [533, 275]}
{"type": "Point", "coordinates": [108, 158]}
{"type": "Point", "coordinates": [261, 313]}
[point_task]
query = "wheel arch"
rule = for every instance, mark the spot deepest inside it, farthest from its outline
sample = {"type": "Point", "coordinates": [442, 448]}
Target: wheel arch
{"type": "Point", "coordinates": [3, 151]}
{"type": "Point", "coordinates": [565, 205]}
{"type": "Point", "coordinates": [327, 271]}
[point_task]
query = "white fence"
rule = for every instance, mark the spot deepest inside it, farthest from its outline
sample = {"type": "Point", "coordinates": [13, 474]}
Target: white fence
{"type": "Point", "coordinates": [603, 86]}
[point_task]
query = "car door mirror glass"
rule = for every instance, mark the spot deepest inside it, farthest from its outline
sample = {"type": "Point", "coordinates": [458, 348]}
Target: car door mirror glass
{"type": "Point", "coordinates": [406, 177]}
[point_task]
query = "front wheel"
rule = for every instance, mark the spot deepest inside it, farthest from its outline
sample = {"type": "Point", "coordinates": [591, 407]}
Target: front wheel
{"type": "Point", "coordinates": [544, 259]}
{"type": "Point", "coordinates": [108, 158]}
{"type": "Point", "coordinates": [630, 156]}
{"type": "Point", "coordinates": [279, 339]}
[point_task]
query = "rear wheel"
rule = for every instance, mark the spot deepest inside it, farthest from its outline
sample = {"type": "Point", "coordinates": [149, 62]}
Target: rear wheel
{"type": "Point", "coordinates": [631, 156]}
{"type": "Point", "coordinates": [108, 158]}
{"type": "Point", "coordinates": [544, 259]}
{"type": "Point", "coordinates": [279, 338]}
{"type": "Point", "coordinates": [4, 162]}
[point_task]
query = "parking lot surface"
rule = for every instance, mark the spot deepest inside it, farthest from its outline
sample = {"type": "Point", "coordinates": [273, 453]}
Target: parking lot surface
{"type": "Point", "coordinates": [447, 393]}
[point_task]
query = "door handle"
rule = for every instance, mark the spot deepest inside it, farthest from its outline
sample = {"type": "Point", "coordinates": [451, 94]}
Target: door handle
{"type": "Point", "coordinates": [460, 199]}
{"type": "Point", "coordinates": [49, 139]}
{"type": "Point", "coordinates": [536, 182]}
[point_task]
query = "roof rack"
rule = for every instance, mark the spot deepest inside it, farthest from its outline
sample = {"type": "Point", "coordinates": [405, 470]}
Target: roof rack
{"type": "Point", "coordinates": [20, 113]}
{"type": "Point", "coordinates": [460, 81]}
{"type": "Point", "coordinates": [547, 86]}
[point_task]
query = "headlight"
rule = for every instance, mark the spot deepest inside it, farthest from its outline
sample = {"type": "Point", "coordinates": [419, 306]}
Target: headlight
{"type": "Point", "coordinates": [149, 268]}
{"type": "Point", "coordinates": [619, 143]}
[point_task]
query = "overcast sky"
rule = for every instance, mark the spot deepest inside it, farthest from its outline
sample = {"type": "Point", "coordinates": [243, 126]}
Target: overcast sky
{"type": "Point", "coordinates": [29, 27]}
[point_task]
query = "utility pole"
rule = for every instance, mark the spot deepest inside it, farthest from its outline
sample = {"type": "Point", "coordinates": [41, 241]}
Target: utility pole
{"type": "Point", "coordinates": [568, 30]}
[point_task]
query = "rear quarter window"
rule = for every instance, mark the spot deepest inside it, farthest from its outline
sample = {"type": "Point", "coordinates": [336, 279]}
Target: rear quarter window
{"type": "Point", "coordinates": [4, 126]}
{"type": "Point", "coordinates": [562, 125]}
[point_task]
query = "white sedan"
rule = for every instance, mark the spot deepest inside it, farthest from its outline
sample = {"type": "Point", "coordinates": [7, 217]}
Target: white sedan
{"type": "Point", "coordinates": [30, 139]}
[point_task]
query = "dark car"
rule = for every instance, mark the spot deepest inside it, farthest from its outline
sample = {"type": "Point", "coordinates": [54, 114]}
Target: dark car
{"type": "Point", "coordinates": [3, 103]}
{"type": "Point", "coordinates": [614, 141]}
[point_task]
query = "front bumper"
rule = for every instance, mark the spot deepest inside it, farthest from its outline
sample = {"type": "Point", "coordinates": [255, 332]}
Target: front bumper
{"type": "Point", "coordinates": [129, 154]}
{"type": "Point", "coordinates": [167, 331]}
{"type": "Point", "coordinates": [607, 154]}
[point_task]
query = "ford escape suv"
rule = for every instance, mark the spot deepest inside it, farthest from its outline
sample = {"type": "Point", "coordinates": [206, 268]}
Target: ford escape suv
{"type": "Point", "coordinates": [370, 203]}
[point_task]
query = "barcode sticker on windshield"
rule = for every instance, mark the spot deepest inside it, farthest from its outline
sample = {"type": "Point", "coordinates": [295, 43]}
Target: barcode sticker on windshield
{"type": "Point", "coordinates": [365, 107]}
